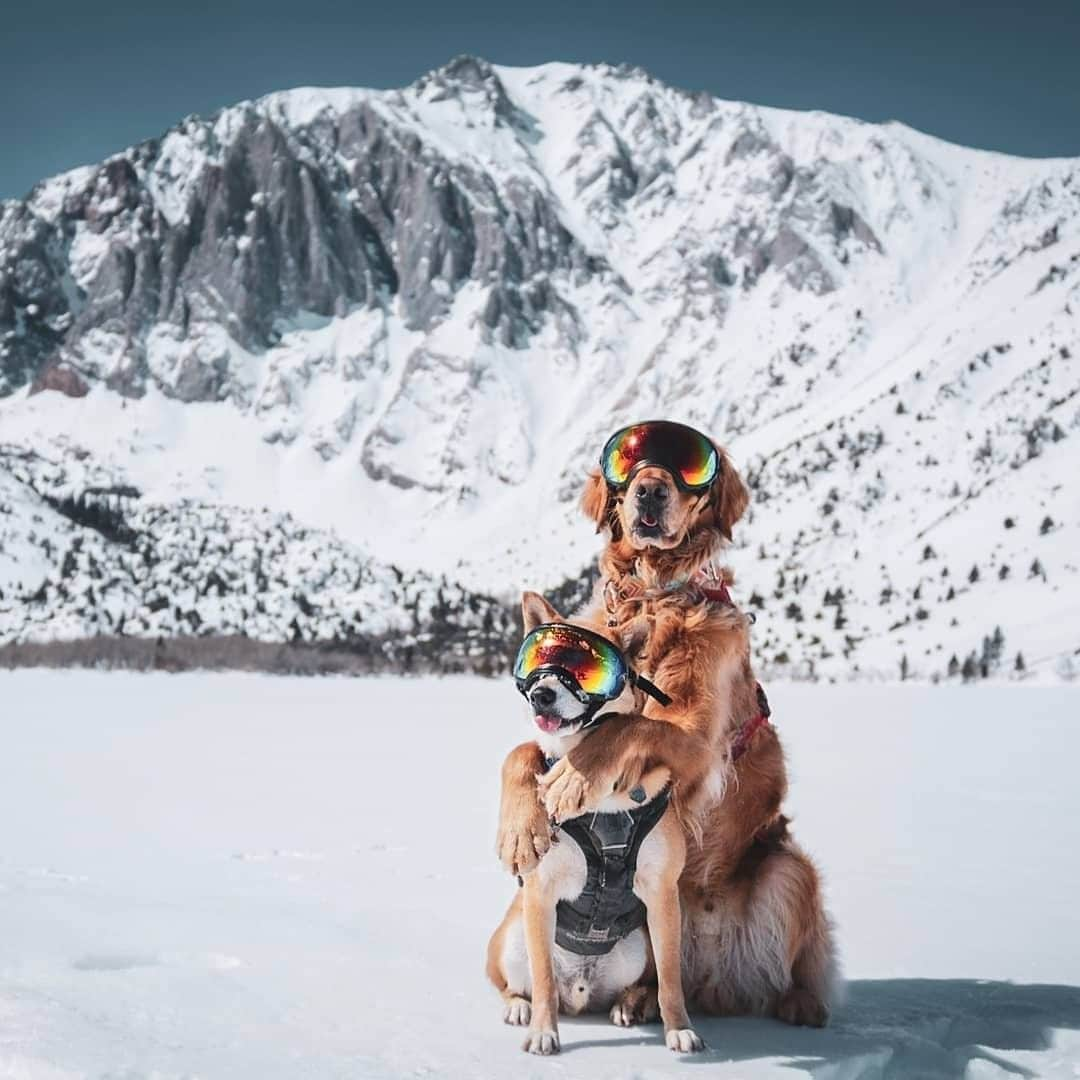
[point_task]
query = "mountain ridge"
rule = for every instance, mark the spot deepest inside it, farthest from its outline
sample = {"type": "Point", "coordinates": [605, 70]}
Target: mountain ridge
{"type": "Point", "coordinates": [328, 301]}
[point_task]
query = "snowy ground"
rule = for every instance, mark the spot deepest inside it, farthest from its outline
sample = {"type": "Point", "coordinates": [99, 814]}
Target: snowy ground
{"type": "Point", "coordinates": [243, 876]}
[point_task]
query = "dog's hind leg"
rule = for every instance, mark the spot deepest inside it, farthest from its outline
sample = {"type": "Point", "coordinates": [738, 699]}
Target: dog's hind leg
{"type": "Point", "coordinates": [637, 1004]}
{"type": "Point", "coordinates": [813, 957]}
{"type": "Point", "coordinates": [508, 966]}
{"type": "Point", "coordinates": [762, 940]}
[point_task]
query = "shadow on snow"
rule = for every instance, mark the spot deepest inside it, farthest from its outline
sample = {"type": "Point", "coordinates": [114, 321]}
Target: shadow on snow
{"type": "Point", "coordinates": [888, 1029]}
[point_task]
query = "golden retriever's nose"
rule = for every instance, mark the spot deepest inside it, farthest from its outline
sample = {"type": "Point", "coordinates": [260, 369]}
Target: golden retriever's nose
{"type": "Point", "coordinates": [657, 490]}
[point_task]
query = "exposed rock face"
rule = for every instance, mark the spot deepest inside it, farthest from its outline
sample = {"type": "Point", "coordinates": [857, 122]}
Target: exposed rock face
{"type": "Point", "coordinates": [299, 204]}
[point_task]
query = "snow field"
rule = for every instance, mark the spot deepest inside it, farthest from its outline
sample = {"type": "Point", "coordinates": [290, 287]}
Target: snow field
{"type": "Point", "coordinates": [247, 876]}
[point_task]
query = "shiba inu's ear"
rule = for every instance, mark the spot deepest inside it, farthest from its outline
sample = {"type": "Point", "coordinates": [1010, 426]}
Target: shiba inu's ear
{"type": "Point", "coordinates": [536, 610]}
{"type": "Point", "coordinates": [595, 499]}
{"type": "Point", "coordinates": [731, 496]}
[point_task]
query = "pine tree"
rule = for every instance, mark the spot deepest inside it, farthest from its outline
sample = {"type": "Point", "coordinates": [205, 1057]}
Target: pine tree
{"type": "Point", "coordinates": [974, 575]}
{"type": "Point", "coordinates": [1046, 526]}
{"type": "Point", "coordinates": [969, 671]}
{"type": "Point", "coordinates": [903, 668]}
{"type": "Point", "coordinates": [1037, 570]}
{"type": "Point", "coordinates": [928, 553]}
{"type": "Point", "coordinates": [1003, 573]}
{"type": "Point", "coordinates": [1019, 666]}
{"type": "Point", "coordinates": [951, 594]}
{"type": "Point", "coordinates": [954, 666]}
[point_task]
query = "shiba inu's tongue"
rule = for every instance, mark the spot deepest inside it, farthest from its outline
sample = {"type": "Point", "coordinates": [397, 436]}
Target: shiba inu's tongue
{"type": "Point", "coordinates": [548, 723]}
{"type": "Point", "coordinates": [649, 520]}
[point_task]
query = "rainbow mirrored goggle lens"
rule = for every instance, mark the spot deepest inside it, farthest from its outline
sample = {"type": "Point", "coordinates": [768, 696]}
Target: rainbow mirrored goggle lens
{"type": "Point", "coordinates": [591, 661]}
{"type": "Point", "coordinates": [690, 458]}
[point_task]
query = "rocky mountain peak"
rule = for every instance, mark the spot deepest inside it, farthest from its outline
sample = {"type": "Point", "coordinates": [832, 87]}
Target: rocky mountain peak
{"type": "Point", "coordinates": [436, 301]}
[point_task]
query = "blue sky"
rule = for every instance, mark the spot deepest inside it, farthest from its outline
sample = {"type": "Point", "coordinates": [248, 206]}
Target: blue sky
{"type": "Point", "coordinates": [79, 81]}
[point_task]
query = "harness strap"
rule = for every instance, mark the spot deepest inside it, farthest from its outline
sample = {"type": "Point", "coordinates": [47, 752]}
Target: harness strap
{"type": "Point", "coordinates": [607, 910]}
{"type": "Point", "coordinates": [746, 733]}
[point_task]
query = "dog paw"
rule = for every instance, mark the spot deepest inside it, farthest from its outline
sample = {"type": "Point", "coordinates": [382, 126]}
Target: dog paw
{"type": "Point", "coordinates": [522, 844]}
{"type": "Point", "coordinates": [517, 1012]}
{"type": "Point", "coordinates": [565, 792]}
{"type": "Point", "coordinates": [541, 1042]}
{"type": "Point", "coordinates": [683, 1040]}
{"type": "Point", "coordinates": [635, 1005]}
{"type": "Point", "coordinates": [803, 1008]}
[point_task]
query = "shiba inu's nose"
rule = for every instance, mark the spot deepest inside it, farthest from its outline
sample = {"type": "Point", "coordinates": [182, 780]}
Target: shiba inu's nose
{"type": "Point", "coordinates": [542, 697]}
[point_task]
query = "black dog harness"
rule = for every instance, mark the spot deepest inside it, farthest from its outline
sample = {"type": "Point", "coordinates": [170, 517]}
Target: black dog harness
{"type": "Point", "coordinates": [607, 909]}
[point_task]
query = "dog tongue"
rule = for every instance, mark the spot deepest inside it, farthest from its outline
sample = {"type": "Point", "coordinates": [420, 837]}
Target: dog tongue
{"type": "Point", "coordinates": [647, 520]}
{"type": "Point", "coordinates": [548, 723]}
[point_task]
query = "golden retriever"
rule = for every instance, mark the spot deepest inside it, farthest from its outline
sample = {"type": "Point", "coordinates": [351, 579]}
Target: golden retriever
{"type": "Point", "coordinates": [756, 939]}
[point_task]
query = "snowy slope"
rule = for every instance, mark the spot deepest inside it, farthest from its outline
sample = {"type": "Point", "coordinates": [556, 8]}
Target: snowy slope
{"type": "Point", "coordinates": [401, 315]}
{"type": "Point", "coordinates": [217, 876]}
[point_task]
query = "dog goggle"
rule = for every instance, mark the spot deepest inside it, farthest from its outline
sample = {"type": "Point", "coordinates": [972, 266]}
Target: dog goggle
{"type": "Point", "coordinates": [588, 665]}
{"type": "Point", "coordinates": [690, 457]}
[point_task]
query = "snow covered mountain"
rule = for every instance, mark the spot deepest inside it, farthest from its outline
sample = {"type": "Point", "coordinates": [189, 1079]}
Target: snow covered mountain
{"type": "Point", "coordinates": [388, 330]}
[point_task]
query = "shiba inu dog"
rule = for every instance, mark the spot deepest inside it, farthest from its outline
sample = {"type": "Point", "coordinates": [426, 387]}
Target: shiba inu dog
{"type": "Point", "coordinates": [600, 912]}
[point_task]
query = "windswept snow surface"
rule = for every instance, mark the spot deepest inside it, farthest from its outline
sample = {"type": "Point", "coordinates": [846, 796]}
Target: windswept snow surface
{"type": "Point", "coordinates": [243, 876]}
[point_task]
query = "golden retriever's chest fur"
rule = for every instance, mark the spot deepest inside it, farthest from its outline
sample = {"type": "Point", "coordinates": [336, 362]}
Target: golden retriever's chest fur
{"type": "Point", "coordinates": [698, 652]}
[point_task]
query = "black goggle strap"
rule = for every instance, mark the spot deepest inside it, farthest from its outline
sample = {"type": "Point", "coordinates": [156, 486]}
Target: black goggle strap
{"type": "Point", "coordinates": [649, 688]}
{"type": "Point", "coordinates": [593, 715]}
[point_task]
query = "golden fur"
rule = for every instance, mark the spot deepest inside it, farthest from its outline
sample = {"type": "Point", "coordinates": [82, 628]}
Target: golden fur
{"type": "Point", "coordinates": [756, 937]}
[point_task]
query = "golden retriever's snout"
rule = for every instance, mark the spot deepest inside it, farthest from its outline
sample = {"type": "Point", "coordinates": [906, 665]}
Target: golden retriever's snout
{"type": "Point", "coordinates": [650, 494]}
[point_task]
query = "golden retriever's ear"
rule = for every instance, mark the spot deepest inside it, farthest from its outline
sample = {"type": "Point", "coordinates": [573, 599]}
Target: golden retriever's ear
{"type": "Point", "coordinates": [635, 637]}
{"type": "Point", "coordinates": [732, 496]}
{"type": "Point", "coordinates": [536, 610]}
{"type": "Point", "coordinates": [594, 499]}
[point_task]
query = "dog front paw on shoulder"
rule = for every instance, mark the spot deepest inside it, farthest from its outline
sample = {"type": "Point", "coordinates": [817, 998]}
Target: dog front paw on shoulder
{"type": "Point", "coordinates": [566, 793]}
